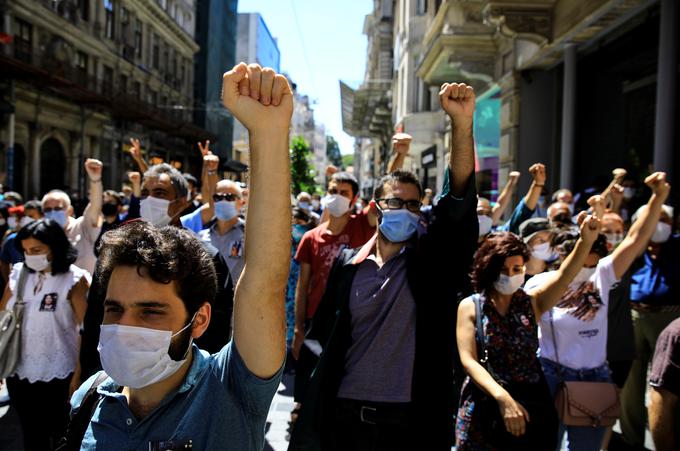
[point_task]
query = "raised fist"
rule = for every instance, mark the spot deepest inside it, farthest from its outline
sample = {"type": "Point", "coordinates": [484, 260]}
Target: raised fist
{"type": "Point", "coordinates": [457, 99]}
{"type": "Point", "coordinates": [513, 177]}
{"type": "Point", "coordinates": [616, 193]}
{"type": "Point", "coordinates": [135, 178]}
{"type": "Point", "coordinates": [204, 148]}
{"type": "Point", "coordinates": [94, 169]}
{"type": "Point", "coordinates": [211, 162]}
{"type": "Point", "coordinates": [330, 170]}
{"type": "Point", "coordinates": [598, 204]}
{"type": "Point", "coordinates": [537, 171]}
{"type": "Point", "coordinates": [619, 174]}
{"type": "Point", "coordinates": [659, 186]}
{"type": "Point", "coordinates": [590, 229]}
{"type": "Point", "coordinates": [259, 98]}
{"type": "Point", "coordinates": [135, 149]}
{"type": "Point", "coordinates": [401, 142]}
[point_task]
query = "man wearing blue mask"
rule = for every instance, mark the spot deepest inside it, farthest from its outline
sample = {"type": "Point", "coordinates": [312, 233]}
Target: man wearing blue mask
{"type": "Point", "coordinates": [387, 321]}
{"type": "Point", "coordinates": [81, 232]}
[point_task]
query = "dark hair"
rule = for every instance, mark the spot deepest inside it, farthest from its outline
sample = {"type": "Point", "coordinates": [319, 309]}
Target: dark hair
{"type": "Point", "coordinates": [178, 181]}
{"type": "Point", "coordinates": [301, 214]}
{"type": "Point", "coordinates": [51, 234]}
{"type": "Point", "coordinates": [33, 205]}
{"type": "Point", "coordinates": [565, 242]}
{"type": "Point", "coordinates": [490, 258]}
{"type": "Point", "coordinates": [346, 177]}
{"type": "Point", "coordinates": [115, 194]}
{"type": "Point", "coordinates": [168, 254]}
{"type": "Point", "coordinates": [397, 176]}
{"type": "Point", "coordinates": [191, 179]}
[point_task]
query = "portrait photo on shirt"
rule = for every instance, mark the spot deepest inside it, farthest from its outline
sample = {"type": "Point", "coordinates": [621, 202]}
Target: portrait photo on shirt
{"type": "Point", "coordinates": [582, 300]}
{"type": "Point", "coordinates": [236, 249]}
{"type": "Point", "coordinates": [49, 302]}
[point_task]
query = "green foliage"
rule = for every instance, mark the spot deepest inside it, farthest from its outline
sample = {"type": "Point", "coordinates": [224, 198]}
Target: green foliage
{"type": "Point", "coordinates": [333, 152]}
{"type": "Point", "coordinates": [300, 167]}
{"type": "Point", "coordinates": [348, 160]}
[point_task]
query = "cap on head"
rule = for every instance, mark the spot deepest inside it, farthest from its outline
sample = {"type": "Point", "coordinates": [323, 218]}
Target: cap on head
{"type": "Point", "coordinates": [532, 226]}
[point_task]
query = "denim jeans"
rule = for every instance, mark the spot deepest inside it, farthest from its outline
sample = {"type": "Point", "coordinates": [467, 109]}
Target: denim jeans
{"type": "Point", "coordinates": [579, 438]}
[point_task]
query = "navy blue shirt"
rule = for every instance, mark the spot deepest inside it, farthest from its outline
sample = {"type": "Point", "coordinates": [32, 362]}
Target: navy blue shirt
{"type": "Point", "coordinates": [220, 405]}
{"type": "Point", "coordinates": [9, 252]}
{"type": "Point", "coordinates": [653, 283]}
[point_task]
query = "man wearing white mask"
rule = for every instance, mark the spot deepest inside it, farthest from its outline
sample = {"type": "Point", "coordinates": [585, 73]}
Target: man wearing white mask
{"type": "Point", "coordinates": [81, 232]}
{"type": "Point", "coordinates": [655, 298]}
{"type": "Point", "coordinates": [162, 393]}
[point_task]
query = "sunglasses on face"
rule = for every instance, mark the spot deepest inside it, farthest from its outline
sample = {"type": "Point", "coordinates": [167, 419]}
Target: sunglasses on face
{"type": "Point", "coordinates": [47, 210]}
{"type": "Point", "coordinates": [229, 197]}
{"type": "Point", "coordinates": [394, 203]}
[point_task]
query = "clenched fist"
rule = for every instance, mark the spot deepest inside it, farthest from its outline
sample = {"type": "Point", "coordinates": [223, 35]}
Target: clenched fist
{"type": "Point", "coordinates": [94, 169]}
{"type": "Point", "coordinates": [513, 177]}
{"type": "Point", "coordinates": [401, 142]}
{"type": "Point", "coordinates": [259, 98]}
{"type": "Point", "coordinates": [135, 178]}
{"type": "Point", "coordinates": [590, 229]}
{"type": "Point", "coordinates": [458, 100]}
{"type": "Point", "coordinates": [537, 171]}
{"type": "Point", "coordinates": [659, 186]}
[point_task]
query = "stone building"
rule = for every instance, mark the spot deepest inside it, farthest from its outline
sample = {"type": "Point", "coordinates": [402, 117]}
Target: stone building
{"type": "Point", "coordinates": [87, 75]}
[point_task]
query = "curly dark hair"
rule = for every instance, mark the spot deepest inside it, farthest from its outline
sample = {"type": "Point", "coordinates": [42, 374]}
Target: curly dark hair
{"type": "Point", "coordinates": [168, 254]}
{"type": "Point", "coordinates": [490, 258]}
{"type": "Point", "coordinates": [50, 233]}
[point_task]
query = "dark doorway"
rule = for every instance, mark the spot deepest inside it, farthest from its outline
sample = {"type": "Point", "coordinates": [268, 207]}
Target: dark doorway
{"type": "Point", "coordinates": [52, 165]}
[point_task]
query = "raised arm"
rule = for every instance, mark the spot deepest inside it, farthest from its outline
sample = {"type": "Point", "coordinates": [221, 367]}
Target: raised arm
{"type": "Point", "coordinates": [401, 143]}
{"type": "Point", "coordinates": [136, 153]}
{"type": "Point", "coordinates": [635, 243]}
{"type": "Point", "coordinates": [94, 175]}
{"type": "Point", "coordinates": [548, 295]}
{"type": "Point", "coordinates": [505, 197]}
{"type": "Point", "coordinates": [262, 101]}
{"type": "Point", "coordinates": [458, 100]}
{"type": "Point", "coordinates": [537, 172]}
{"type": "Point", "coordinates": [209, 179]}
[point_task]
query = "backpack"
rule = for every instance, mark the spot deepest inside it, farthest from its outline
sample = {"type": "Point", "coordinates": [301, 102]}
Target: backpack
{"type": "Point", "coordinates": [81, 419]}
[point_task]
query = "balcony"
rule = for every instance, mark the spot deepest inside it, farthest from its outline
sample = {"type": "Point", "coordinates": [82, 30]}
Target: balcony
{"type": "Point", "coordinates": [365, 111]}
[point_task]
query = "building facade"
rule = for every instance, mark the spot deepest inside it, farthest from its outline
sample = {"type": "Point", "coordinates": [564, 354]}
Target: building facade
{"type": "Point", "coordinates": [84, 77]}
{"type": "Point", "coordinates": [216, 31]}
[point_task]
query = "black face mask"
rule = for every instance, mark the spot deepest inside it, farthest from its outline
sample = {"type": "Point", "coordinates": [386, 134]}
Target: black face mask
{"type": "Point", "coordinates": [109, 209]}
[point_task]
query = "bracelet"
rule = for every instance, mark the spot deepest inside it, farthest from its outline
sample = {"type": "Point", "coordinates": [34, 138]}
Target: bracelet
{"type": "Point", "coordinates": [212, 172]}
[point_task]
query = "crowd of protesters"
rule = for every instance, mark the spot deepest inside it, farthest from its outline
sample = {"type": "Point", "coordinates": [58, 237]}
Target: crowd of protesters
{"type": "Point", "coordinates": [413, 320]}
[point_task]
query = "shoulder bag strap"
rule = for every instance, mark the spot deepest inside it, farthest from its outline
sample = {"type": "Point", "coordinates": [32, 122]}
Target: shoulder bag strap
{"type": "Point", "coordinates": [81, 419]}
{"type": "Point", "coordinates": [19, 302]}
{"type": "Point", "coordinates": [483, 356]}
{"type": "Point", "coordinates": [554, 338]}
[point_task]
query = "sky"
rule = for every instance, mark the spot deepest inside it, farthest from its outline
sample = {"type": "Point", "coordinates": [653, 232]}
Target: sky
{"type": "Point", "coordinates": [321, 42]}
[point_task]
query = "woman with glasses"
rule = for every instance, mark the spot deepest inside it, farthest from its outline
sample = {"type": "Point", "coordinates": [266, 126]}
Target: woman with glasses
{"type": "Point", "coordinates": [505, 402]}
{"type": "Point", "coordinates": [53, 291]}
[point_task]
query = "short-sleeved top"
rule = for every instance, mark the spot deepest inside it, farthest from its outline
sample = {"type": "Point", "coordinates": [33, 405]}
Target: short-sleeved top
{"type": "Point", "coordinates": [231, 246]}
{"type": "Point", "coordinates": [82, 235]}
{"type": "Point", "coordinates": [666, 364]}
{"type": "Point", "coordinates": [9, 253]}
{"type": "Point", "coordinates": [580, 319]}
{"type": "Point", "coordinates": [49, 338]}
{"type": "Point", "coordinates": [220, 405]}
{"type": "Point", "coordinates": [193, 221]}
{"type": "Point", "coordinates": [320, 249]}
{"type": "Point", "coordinates": [654, 282]}
{"type": "Point", "coordinates": [383, 314]}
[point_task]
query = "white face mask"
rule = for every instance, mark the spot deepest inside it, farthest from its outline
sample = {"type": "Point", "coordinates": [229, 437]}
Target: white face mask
{"type": "Point", "coordinates": [614, 239]}
{"type": "Point", "coordinates": [508, 285]}
{"type": "Point", "coordinates": [542, 252]}
{"type": "Point", "coordinates": [336, 204]}
{"type": "Point", "coordinates": [12, 222]}
{"type": "Point", "coordinates": [628, 193]}
{"type": "Point", "coordinates": [137, 357]}
{"type": "Point", "coordinates": [485, 224]}
{"type": "Point", "coordinates": [37, 262]}
{"type": "Point", "coordinates": [26, 220]}
{"type": "Point", "coordinates": [662, 233]}
{"type": "Point", "coordinates": [584, 275]}
{"type": "Point", "coordinates": [155, 211]}
{"type": "Point", "coordinates": [315, 204]}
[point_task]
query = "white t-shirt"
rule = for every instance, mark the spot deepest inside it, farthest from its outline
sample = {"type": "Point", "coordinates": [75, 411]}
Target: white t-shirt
{"type": "Point", "coordinates": [49, 338]}
{"type": "Point", "coordinates": [82, 235]}
{"type": "Point", "coordinates": [579, 319]}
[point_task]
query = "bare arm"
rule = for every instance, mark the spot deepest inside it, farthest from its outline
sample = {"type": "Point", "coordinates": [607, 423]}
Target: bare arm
{"type": "Point", "coordinates": [5, 297]}
{"type": "Point", "coordinates": [301, 307]}
{"type": "Point", "coordinates": [514, 415]}
{"type": "Point", "coordinates": [263, 102]}
{"type": "Point", "coordinates": [401, 143]}
{"type": "Point", "coordinates": [505, 197]}
{"type": "Point", "coordinates": [458, 100]}
{"type": "Point", "coordinates": [642, 230]}
{"type": "Point", "coordinates": [209, 180]}
{"type": "Point", "coordinates": [662, 407]}
{"type": "Point", "coordinates": [136, 153]}
{"type": "Point", "coordinates": [94, 175]}
{"type": "Point", "coordinates": [78, 298]}
{"type": "Point", "coordinates": [538, 173]}
{"type": "Point", "coordinates": [548, 295]}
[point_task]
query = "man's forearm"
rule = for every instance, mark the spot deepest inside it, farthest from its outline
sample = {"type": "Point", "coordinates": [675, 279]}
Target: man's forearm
{"type": "Point", "coordinates": [141, 164]}
{"type": "Point", "coordinates": [396, 163]}
{"type": "Point", "coordinates": [462, 154]}
{"type": "Point", "coordinates": [96, 201]}
{"type": "Point", "coordinates": [534, 193]}
{"type": "Point", "coordinates": [661, 421]}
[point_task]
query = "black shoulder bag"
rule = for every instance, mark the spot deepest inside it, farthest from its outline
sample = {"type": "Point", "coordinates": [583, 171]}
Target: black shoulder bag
{"type": "Point", "coordinates": [81, 419]}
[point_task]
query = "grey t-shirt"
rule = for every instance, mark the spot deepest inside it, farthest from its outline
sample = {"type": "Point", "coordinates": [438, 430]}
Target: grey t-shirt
{"type": "Point", "coordinates": [230, 246]}
{"type": "Point", "coordinates": [379, 362]}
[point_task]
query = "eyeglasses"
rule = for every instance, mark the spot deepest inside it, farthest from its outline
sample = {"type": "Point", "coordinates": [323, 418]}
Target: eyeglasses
{"type": "Point", "coordinates": [394, 203]}
{"type": "Point", "coordinates": [47, 210]}
{"type": "Point", "coordinates": [229, 197]}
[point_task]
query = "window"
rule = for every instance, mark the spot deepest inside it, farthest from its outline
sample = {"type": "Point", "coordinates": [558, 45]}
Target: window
{"type": "Point", "coordinates": [109, 27]}
{"type": "Point", "coordinates": [136, 90]}
{"type": "Point", "coordinates": [107, 81]}
{"type": "Point", "coordinates": [152, 97]}
{"type": "Point", "coordinates": [166, 59]}
{"type": "Point", "coordinates": [124, 23]}
{"type": "Point", "coordinates": [123, 83]}
{"type": "Point", "coordinates": [84, 8]}
{"type": "Point", "coordinates": [421, 7]}
{"type": "Point", "coordinates": [155, 53]}
{"type": "Point", "coordinates": [23, 41]}
{"type": "Point", "coordinates": [81, 66]}
{"type": "Point", "coordinates": [138, 39]}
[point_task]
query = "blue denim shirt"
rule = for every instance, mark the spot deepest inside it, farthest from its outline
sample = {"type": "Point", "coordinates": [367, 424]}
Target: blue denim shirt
{"type": "Point", "coordinates": [220, 406]}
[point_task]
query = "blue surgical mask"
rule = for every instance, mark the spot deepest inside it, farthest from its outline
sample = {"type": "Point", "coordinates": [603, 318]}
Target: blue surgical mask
{"type": "Point", "coordinates": [225, 210]}
{"type": "Point", "coordinates": [398, 225]}
{"type": "Point", "coordinates": [58, 216]}
{"type": "Point", "coordinates": [303, 205]}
